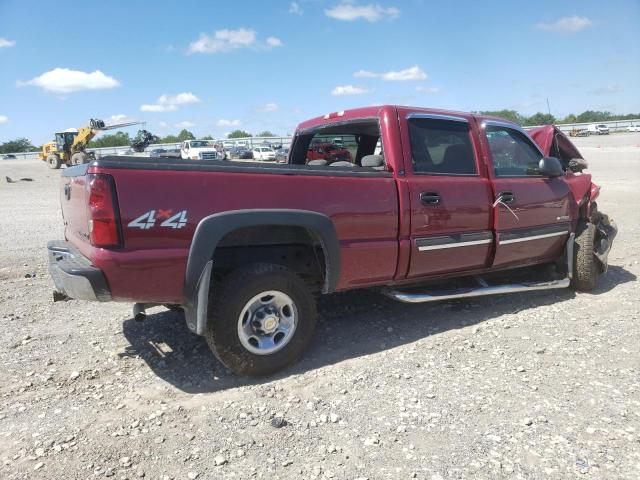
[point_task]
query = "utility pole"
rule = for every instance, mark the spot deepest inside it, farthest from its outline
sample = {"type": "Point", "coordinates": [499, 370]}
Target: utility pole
{"type": "Point", "coordinates": [548, 107]}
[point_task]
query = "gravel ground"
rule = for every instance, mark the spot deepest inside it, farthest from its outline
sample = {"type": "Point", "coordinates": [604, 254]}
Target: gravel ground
{"type": "Point", "coordinates": [543, 385]}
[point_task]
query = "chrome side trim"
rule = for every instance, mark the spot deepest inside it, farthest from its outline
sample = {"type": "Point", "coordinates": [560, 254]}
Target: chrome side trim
{"type": "Point", "coordinates": [437, 116]}
{"type": "Point", "coordinates": [435, 296]}
{"type": "Point", "coordinates": [570, 242]}
{"type": "Point", "coordinates": [454, 245]}
{"type": "Point", "coordinates": [533, 237]}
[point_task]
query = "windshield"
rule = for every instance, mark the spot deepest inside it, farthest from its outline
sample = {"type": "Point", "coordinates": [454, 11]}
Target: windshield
{"type": "Point", "coordinates": [199, 144]}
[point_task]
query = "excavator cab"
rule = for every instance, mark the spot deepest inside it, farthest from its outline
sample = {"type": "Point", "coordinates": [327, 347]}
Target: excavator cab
{"type": "Point", "coordinates": [64, 140]}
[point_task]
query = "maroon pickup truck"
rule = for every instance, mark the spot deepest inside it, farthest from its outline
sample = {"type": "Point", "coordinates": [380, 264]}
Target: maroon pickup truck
{"type": "Point", "coordinates": [432, 205]}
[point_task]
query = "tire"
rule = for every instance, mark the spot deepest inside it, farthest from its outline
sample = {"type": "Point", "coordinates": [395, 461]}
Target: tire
{"type": "Point", "coordinates": [79, 158]}
{"type": "Point", "coordinates": [233, 296]}
{"type": "Point", "coordinates": [586, 271]}
{"type": "Point", "coordinates": [54, 161]}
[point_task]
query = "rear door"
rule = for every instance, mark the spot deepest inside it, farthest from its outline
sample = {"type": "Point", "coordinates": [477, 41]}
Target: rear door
{"type": "Point", "coordinates": [532, 218]}
{"type": "Point", "coordinates": [450, 196]}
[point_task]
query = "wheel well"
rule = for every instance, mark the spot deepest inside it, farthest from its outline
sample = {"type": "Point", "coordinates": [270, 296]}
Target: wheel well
{"type": "Point", "coordinates": [294, 247]}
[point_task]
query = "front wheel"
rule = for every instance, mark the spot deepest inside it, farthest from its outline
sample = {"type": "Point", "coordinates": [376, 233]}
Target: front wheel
{"type": "Point", "coordinates": [54, 161]}
{"type": "Point", "coordinates": [586, 271]}
{"type": "Point", "coordinates": [261, 318]}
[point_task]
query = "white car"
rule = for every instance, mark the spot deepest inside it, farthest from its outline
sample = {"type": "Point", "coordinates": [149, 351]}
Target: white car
{"type": "Point", "coordinates": [198, 150]}
{"type": "Point", "coordinates": [263, 153]}
{"type": "Point", "coordinates": [599, 129]}
{"type": "Point", "coordinates": [634, 128]}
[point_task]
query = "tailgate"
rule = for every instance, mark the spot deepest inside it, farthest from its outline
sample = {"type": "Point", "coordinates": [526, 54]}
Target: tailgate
{"type": "Point", "coordinates": [73, 200]}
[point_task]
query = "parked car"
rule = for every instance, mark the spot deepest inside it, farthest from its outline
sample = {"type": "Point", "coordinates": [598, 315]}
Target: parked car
{"type": "Point", "coordinates": [282, 155]}
{"type": "Point", "coordinates": [634, 127]}
{"type": "Point", "coordinates": [171, 153]}
{"type": "Point", "coordinates": [199, 150]}
{"type": "Point", "coordinates": [155, 153]}
{"type": "Point", "coordinates": [329, 152]}
{"type": "Point", "coordinates": [599, 129]}
{"type": "Point", "coordinates": [9, 156]}
{"type": "Point", "coordinates": [263, 153]}
{"type": "Point", "coordinates": [461, 205]}
{"type": "Point", "coordinates": [242, 153]}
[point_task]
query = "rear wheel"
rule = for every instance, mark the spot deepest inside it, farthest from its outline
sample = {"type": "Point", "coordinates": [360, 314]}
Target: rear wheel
{"type": "Point", "coordinates": [261, 318]}
{"type": "Point", "coordinates": [586, 271]}
{"type": "Point", "coordinates": [54, 161]}
{"type": "Point", "coordinates": [79, 158]}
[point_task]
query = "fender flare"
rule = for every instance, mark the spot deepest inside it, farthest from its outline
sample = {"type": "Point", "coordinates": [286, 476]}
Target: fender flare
{"type": "Point", "coordinates": [212, 229]}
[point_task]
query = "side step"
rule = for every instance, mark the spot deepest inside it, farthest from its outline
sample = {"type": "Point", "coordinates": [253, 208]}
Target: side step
{"type": "Point", "coordinates": [484, 289]}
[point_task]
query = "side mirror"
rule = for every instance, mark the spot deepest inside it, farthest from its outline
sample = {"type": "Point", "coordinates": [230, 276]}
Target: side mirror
{"type": "Point", "coordinates": [550, 167]}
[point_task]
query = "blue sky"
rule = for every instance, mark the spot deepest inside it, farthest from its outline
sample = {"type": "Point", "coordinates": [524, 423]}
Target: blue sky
{"type": "Point", "coordinates": [217, 66]}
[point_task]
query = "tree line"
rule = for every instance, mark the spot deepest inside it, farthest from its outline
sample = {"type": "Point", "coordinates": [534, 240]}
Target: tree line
{"type": "Point", "coordinates": [539, 118]}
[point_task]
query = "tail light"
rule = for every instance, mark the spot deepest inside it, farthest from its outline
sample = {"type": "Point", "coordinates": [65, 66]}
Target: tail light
{"type": "Point", "coordinates": [104, 218]}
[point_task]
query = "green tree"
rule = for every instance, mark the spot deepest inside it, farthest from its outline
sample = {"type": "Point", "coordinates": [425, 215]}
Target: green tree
{"type": "Point", "coordinates": [119, 139]}
{"type": "Point", "coordinates": [17, 146]}
{"type": "Point", "coordinates": [207, 137]}
{"type": "Point", "coordinates": [185, 135]}
{"type": "Point", "coordinates": [510, 115]}
{"type": "Point", "coordinates": [540, 119]}
{"type": "Point", "coordinates": [169, 139]}
{"type": "Point", "coordinates": [266, 133]}
{"type": "Point", "coordinates": [595, 116]}
{"type": "Point", "coordinates": [239, 134]}
{"type": "Point", "coordinates": [571, 118]}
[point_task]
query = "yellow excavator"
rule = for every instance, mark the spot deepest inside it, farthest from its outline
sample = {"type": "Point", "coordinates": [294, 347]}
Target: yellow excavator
{"type": "Point", "coordinates": [69, 147]}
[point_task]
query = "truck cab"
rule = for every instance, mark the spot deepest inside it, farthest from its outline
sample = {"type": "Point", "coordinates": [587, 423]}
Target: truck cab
{"type": "Point", "coordinates": [198, 150]}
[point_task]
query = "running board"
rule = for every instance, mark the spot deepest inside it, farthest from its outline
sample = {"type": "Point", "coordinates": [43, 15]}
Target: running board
{"type": "Point", "coordinates": [436, 296]}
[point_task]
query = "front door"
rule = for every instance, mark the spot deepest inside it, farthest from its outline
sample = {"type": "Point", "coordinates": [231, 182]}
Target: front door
{"type": "Point", "coordinates": [532, 217]}
{"type": "Point", "coordinates": [451, 228]}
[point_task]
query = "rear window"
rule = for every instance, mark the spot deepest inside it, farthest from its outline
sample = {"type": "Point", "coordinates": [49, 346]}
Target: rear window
{"type": "Point", "coordinates": [441, 147]}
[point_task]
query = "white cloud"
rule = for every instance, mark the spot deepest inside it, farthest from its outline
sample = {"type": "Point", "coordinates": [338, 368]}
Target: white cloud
{"type": "Point", "coordinates": [162, 124]}
{"type": "Point", "coordinates": [170, 103]}
{"type": "Point", "coordinates": [350, 12]}
{"type": "Point", "coordinates": [4, 43]}
{"type": "Point", "coordinates": [63, 80]}
{"type": "Point", "coordinates": [228, 123]}
{"type": "Point", "coordinates": [223, 41]}
{"type": "Point", "coordinates": [4, 119]}
{"type": "Point", "coordinates": [423, 89]}
{"type": "Point", "coordinates": [606, 90]}
{"type": "Point", "coordinates": [185, 124]}
{"type": "Point", "coordinates": [365, 74]}
{"type": "Point", "coordinates": [411, 73]}
{"type": "Point", "coordinates": [274, 42]}
{"type": "Point", "coordinates": [120, 118]}
{"type": "Point", "coordinates": [349, 90]}
{"type": "Point", "coordinates": [269, 107]}
{"type": "Point", "coordinates": [566, 24]}
{"type": "Point", "coordinates": [295, 8]}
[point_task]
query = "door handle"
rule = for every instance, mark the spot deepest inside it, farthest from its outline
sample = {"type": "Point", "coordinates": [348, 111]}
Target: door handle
{"type": "Point", "coordinates": [430, 198]}
{"type": "Point", "coordinates": [506, 197]}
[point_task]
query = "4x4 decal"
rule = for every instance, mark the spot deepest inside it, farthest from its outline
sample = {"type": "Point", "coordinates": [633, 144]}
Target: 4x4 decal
{"type": "Point", "coordinates": [149, 219]}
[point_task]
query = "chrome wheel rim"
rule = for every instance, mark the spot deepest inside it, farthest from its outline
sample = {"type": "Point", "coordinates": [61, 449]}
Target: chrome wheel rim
{"type": "Point", "coordinates": [267, 322]}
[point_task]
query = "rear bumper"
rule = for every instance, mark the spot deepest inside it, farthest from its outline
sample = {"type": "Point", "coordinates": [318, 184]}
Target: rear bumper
{"type": "Point", "coordinates": [73, 274]}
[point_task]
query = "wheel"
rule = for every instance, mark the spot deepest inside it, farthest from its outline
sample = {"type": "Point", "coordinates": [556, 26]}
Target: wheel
{"type": "Point", "coordinates": [261, 318]}
{"type": "Point", "coordinates": [79, 158]}
{"type": "Point", "coordinates": [586, 271]}
{"type": "Point", "coordinates": [54, 161]}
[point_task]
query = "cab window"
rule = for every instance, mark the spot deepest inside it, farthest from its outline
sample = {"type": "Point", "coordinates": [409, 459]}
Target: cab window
{"type": "Point", "coordinates": [513, 154]}
{"type": "Point", "coordinates": [441, 147]}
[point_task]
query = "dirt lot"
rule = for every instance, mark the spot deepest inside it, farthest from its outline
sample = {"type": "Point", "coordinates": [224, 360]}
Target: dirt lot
{"type": "Point", "coordinates": [532, 386]}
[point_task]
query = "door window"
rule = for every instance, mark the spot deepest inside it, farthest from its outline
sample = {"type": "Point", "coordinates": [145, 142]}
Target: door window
{"type": "Point", "coordinates": [514, 155]}
{"type": "Point", "coordinates": [441, 147]}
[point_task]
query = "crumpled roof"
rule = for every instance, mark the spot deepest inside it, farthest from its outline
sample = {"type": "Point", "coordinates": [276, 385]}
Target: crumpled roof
{"type": "Point", "coordinates": [554, 143]}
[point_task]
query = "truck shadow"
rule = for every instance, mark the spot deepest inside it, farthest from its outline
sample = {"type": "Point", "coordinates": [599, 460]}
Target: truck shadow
{"type": "Point", "coordinates": [350, 324]}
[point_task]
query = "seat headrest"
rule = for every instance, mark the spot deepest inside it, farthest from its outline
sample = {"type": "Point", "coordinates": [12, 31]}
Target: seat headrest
{"type": "Point", "coordinates": [319, 162]}
{"type": "Point", "coordinates": [342, 163]}
{"type": "Point", "coordinates": [372, 161]}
